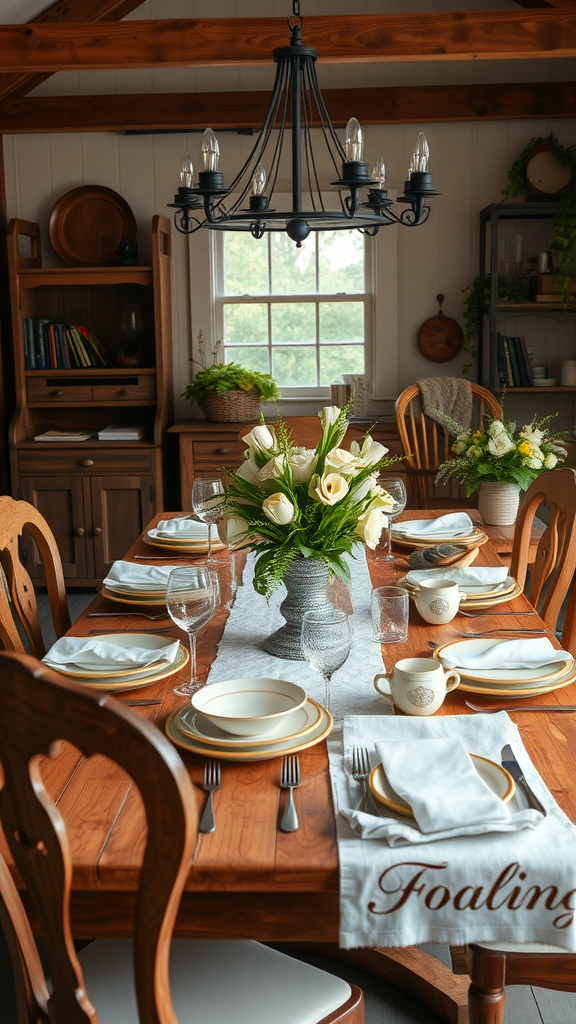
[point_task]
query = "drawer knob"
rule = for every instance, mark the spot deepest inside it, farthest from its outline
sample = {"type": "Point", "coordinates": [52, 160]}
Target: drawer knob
{"type": "Point", "coordinates": [79, 531]}
{"type": "Point", "coordinates": [125, 392]}
{"type": "Point", "coordinates": [97, 531]}
{"type": "Point", "coordinates": [57, 394]}
{"type": "Point", "coordinates": [222, 451]}
{"type": "Point", "coordinates": [86, 462]}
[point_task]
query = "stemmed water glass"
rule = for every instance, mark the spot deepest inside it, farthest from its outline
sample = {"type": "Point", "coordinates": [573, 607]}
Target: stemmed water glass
{"type": "Point", "coordinates": [207, 504]}
{"type": "Point", "coordinates": [396, 488]}
{"type": "Point", "coordinates": [191, 599]}
{"type": "Point", "coordinates": [326, 642]}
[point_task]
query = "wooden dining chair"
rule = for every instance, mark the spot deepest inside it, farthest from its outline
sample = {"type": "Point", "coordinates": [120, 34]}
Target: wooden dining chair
{"type": "Point", "coordinates": [150, 978]}
{"type": "Point", "coordinates": [306, 431]}
{"type": "Point", "coordinates": [426, 445]}
{"type": "Point", "coordinates": [554, 566]}
{"type": "Point", "coordinates": [18, 597]}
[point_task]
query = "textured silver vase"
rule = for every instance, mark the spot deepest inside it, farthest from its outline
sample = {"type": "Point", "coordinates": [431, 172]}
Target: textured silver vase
{"type": "Point", "coordinates": [306, 581]}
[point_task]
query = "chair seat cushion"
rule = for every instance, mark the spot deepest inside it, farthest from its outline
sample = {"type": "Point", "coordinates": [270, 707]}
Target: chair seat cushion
{"type": "Point", "coordinates": [215, 982]}
{"type": "Point", "coordinates": [523, 947]}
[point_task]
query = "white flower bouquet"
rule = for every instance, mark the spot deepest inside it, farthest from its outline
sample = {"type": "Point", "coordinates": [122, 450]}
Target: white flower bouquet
{"type": "Point", "coordinates": [287, 502]}
{"type": "Point", "coordinates": [500, 453]}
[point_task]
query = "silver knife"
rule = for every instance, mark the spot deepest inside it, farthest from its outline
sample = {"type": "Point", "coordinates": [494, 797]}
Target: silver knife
{"type": "Point", "coordinates": [511, 765]}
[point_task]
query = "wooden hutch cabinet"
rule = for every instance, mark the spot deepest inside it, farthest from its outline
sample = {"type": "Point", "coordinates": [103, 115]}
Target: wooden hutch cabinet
{"type": "Point", "coordinates": [96, 495]}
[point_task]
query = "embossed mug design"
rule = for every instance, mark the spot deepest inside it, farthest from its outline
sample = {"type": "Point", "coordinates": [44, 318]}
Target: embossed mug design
{"type": "Point", "coordinates": [418, 685]}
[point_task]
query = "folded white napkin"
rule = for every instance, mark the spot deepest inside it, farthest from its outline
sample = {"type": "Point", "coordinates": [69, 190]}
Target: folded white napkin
{"type": "Point", "coordinates": [183, 527]}
{"type": "Point", "coordinates": [483, 575]}
{"type": "Point", "coordinates": [453, 524]}
{"type": "Point", "coordinates": [526, 652]}
{"type": "Point", "coordinates": [139, 577]}
{"type": "Point", "coordinates": [91, 652]}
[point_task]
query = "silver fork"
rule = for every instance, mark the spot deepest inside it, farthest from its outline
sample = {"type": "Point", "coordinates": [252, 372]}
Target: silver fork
{"type": "Point", "coordinates": [212, 782]}
{"type": "Point", "coordinates": [502, 629]}
{"type": "Point", "coordinates": [127, 615]}
{"type": "Point", "coordinates": [360, 771]}
{"type": "Point", "coordinates": [290, 779]}
{"type": "Point", "coordinates": [524, 707]}
{"type": "Point", "coordinates": [480, 615]}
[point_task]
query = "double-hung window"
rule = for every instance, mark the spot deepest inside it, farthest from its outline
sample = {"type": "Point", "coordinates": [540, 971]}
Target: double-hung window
{"type": "Point", "coordinates": [300, 314]}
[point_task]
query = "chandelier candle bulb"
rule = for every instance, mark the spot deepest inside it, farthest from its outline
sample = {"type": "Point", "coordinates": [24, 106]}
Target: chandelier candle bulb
{"type": "Point", "coordinates": [186, 171]}
{"type": "Point", "coordinates": [379, 173]}
{"type": "Point", "coordinates": [210, 151]}
{"type": "Point", "coordinates": [354, 141]}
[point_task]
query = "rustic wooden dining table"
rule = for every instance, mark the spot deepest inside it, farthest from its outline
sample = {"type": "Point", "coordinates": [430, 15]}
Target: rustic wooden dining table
{"type": "Point", "coordinates": [248, 879]}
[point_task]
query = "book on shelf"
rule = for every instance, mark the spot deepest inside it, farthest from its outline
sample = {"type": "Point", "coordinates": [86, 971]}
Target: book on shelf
{"type": "Point", "coordinates": [512, 362]}
{"type": "Point", "coordinates": [53, 346]}
{"type": "Point", "coordinates": [65, 435]}
{"type": "Point", "coordinates": [122, 433]}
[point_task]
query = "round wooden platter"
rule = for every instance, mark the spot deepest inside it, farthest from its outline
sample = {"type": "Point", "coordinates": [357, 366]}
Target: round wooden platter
{"type": "Point", "coordinates": [440, 338]}
{"type": "Point", "coordinates": [88, 224]}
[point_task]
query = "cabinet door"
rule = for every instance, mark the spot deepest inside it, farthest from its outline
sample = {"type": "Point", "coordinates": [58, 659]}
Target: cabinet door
{"type": "Point", "coordinates": [121, 507]}
{"type": "Point", "coordinates": [64, 501]}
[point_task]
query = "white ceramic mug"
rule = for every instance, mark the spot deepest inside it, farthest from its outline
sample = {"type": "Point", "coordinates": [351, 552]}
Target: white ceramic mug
{"type": "Point", "coordinates": [438, 600]}
{"type": "Point", "coordinates": [418, 685]}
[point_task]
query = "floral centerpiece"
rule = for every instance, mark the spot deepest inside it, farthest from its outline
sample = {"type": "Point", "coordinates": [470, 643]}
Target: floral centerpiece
{"type": "Point", "coordinates": [302, 511]}
{"type": "Point", "coordinates": [500, 456]}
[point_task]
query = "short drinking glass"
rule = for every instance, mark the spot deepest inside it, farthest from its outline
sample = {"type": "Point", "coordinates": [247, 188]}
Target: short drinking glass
{"type": "Point", "coordinates": [326, 642]}
{"type": "Point", "coordinates": [191, 599]}
{"type": "Point", "coordinates": [390, 614]}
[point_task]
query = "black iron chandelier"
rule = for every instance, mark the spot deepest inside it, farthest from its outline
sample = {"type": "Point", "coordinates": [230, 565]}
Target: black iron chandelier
{"type": "Point", "coordinates": [297, 104]}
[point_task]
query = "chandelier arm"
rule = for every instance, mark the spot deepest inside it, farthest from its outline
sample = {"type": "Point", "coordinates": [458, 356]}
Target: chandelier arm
{"type": "Point", "coordinates": [313, 158]}
{"type": "Point", "coordinates": [277, 153]}
{"type": "Point", "coordinates": [266, 128]}
{"type": "Point", "coordinates": [325, 118]}
{"type": "Point", "coordinates": [309, 155]}
{"type": "Point", "coordinates": [182, 217]}
{"type": "Point", "coordinates": [409, 218]}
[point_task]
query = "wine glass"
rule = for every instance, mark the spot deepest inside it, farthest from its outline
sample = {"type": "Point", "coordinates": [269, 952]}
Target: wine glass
{"type": "Point", "coordinates": [326, 642]}
{"type": "Point", "coordinates": [207, 504]}
{"type": "Point", "coordinates": [396, 488]}
{"type": "Point", "coordinates": [191, 600]}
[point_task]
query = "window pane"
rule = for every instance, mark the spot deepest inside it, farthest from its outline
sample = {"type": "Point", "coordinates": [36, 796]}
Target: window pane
{"type": "Point", "coordinates": [250, 357]}
{"type": "Point", "coordinates": [293, 322]}
{"type": "Point", "coordinates": [293, 270]}
{"type": "Point", "coordinates": [341, 259]}
{"type": "Point", "coordinates": [294, 367]}
{"type": "Point", "coordinates": [338, 359]}
{"type": "Point", "coordinates": [341, 322]}
{"type": "Point", "coordinates": [245, 323]}
{"type": "Point", "coordinates": [245, 264]}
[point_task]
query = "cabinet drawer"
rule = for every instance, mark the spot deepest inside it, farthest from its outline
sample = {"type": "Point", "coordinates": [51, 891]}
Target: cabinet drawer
{"type": "Point", "coordinates": [86, 463]}
{"type": "Point", "coordinates": [46, 391]}
{"type": "Point", "coordinates": [219, 453]}
{"type": "Point", "coordinates": [144, 390]}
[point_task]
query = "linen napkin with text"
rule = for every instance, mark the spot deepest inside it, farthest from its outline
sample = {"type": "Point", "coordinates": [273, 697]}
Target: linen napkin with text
{"type": "Point", "coordinates": [510, 886]}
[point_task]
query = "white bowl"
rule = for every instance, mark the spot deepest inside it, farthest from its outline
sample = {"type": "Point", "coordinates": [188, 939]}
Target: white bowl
{"type": "Point", "coordinates": [249, 707]}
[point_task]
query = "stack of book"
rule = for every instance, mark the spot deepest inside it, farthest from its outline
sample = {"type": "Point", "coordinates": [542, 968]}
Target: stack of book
{"type": "Point", "coordinates": [65, 435]}
{"type": "Point", "coordinates": [49, 346]}
{"type": "Point", "coordinates": [514, 369]}
{"type": "Point", "coordinates": [122, 433]}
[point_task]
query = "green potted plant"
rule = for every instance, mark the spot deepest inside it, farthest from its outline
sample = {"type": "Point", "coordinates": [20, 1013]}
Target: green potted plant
{"type": "Point", "coordinates": [229, 393]}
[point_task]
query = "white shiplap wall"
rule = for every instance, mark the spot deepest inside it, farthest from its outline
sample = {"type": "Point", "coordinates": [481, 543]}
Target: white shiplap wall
{"type": "Point", "coordinates": [468, 161]}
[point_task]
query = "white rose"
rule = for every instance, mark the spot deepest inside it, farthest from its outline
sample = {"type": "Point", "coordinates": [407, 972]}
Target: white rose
{"type": "Point", "coordinates": [341, 461]}
{"type": "Point", "coordinates": [302, 462]}
{"type": "Point", "coordinates": [329, 488]}
{"type": "Point", "coordinates": [370, 526]}
{"type": "Point", "coordinates": [500, 445]}
{"type": "Point", "coordinates": [496, 428]}
{"type": "Point", "coordinates": [368, 452]}
{"type": "Point", "coordinates": [279, 509]}
{"type": "Point", "coordinates": [550, 461]}
{"type": "Point", "coordinates": [232, 530]}
{"type": "Point", "coordinates": [271, 470]}
{"type": "Point", "coordinates": [249, 471]}
{"type": "Point", "coordinates": [534, 463]}
{"type": "Point", "coordinates": [260, 438]}
{"type": "Point", "coordinates": [328, 415]}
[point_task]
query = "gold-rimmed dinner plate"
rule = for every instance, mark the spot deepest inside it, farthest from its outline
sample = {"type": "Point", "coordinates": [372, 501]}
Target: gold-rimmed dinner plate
{"type": "Point", "coordinates": [295, 725]}
{"type": "Point", "coordinates": [494, 775]}
{"type": "Point", "coordinates": [474, 591]}
{"type": "Point", "coordinates": [516, 691]}
{"type": "Point", "coordinates": [474, 539]}
{"type": "Point", "coordinates": [474, 603]}
{"type": "Point", "coordinates": [127, 591]}
{"type": "Point", "coordinates": [134, 598]}
{"type": "Point", "coordinates": [154, 674]}
{"type": "Point", "coordinates": [149, 641]}
{"type": "Point", "coordinates": [181, 544]}
{"type": "Point", "coordinates": [518, 677]}
{"type": "Point", "coordinates": [255, 752]}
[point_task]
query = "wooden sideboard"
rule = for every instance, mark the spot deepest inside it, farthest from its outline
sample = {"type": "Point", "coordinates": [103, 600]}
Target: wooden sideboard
{"type": "Point", "coordinates": [205, 448]}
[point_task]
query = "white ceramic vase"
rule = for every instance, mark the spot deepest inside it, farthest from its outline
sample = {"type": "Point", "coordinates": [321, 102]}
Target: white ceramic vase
{"type": "Point", "coordinates": [498, 503]}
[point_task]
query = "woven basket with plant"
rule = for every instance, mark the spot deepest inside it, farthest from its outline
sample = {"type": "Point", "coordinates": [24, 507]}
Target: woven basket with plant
{"type": "Point", "coordinates": [228, 393]}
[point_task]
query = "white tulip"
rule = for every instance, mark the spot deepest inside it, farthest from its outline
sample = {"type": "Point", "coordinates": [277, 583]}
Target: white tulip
{"type": "Point", "coordinates": [550, 460]}
{"type": "Point", "coordinates": [368, 452]}
{"type": "Point", "coordinates": [279, 509]}
{"type": "Point", "coordinates": [249, 471]}
{"type": "Point", "coordinates": [367, 486]}
{"type": "Point", "coordinates": [302, 463]}
{"type": "Point", "coordinates": [328, 415]}
{"type": "Point", "coordinates": [341, 461]}
{"type": "Point", "coordinates": [272, 470]}
{"type": "Point", "coordinates": [329, 488]}
{"type": "Point", "coordinates": [500, 445]}
{"type": "Point", "coordinates": [370, 526]}
{"type": "Point", "coordinates": [232, 530]}
{"type": "Point", "coordinates": [261, 438]}
{"type": "Point", "coordinates": [383, 501]}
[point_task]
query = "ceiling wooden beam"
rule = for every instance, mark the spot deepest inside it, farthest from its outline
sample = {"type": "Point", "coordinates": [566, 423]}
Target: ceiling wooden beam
{"type": "Point", "coordinates": [464, 35]}
{"type": "Point", "coordinates": [60, 13]}
{"type": "Point", "coordinates": [185, 111]}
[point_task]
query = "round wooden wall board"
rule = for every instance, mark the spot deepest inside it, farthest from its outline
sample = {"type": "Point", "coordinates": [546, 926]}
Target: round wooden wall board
{"type": "Point", "coordinates": [440, 338]}
{"type": "Point", "coordinates": [87, 225]}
